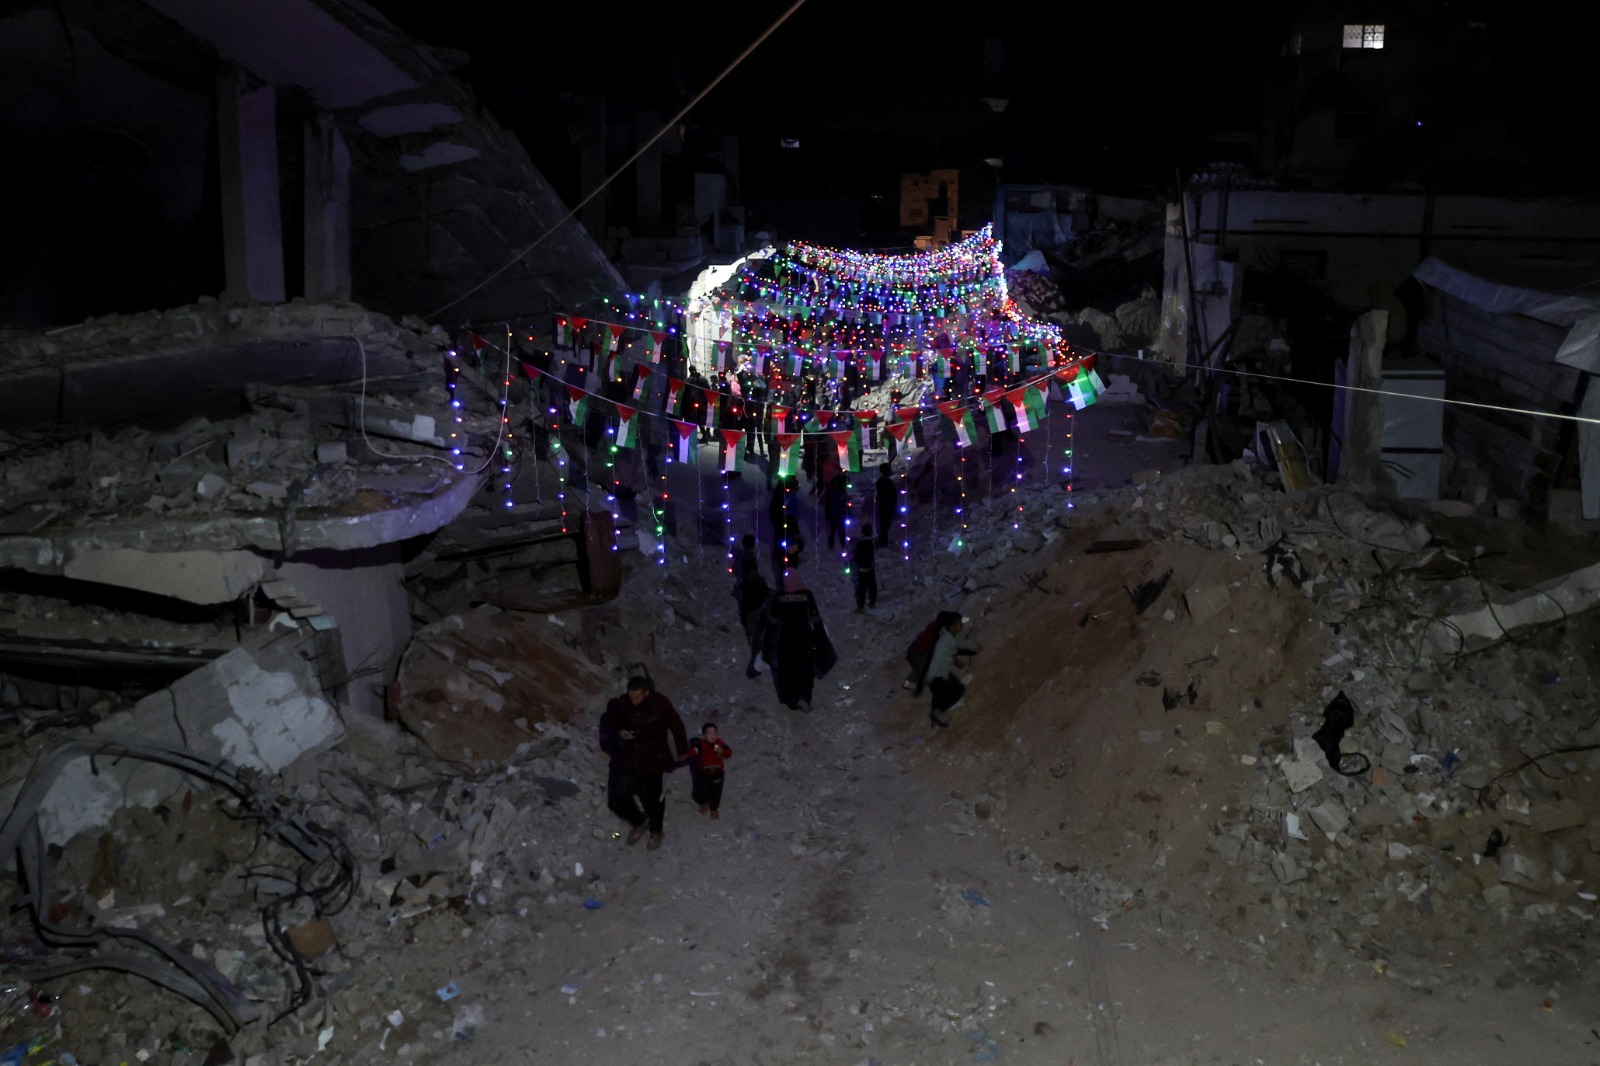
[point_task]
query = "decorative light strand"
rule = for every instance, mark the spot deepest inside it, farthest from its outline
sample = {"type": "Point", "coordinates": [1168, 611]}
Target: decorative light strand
{"type": "Point", "coordinates": [457, 431]}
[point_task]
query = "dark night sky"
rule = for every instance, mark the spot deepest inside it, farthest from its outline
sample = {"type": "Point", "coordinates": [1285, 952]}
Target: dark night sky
{"type": "Point", "coordinates": [874, 82]}
{"type": "Point", "coordinates": [1115, 96]}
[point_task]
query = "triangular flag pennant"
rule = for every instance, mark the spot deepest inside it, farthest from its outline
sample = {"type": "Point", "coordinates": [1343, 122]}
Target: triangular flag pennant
{"type": "Point", "coordinates": [674, 395]}
{"type": "Point", "coordinates": [722, 354]}
{"type": "Point", "coordinates": [531, 371]}
{"type": "Point", "coordinates": [906, 414]}
{"type": "Point", "coordinates": [797, 363]}
{"type": "Point", "coordinates": [992, 408]}
{"type": "Point", "coordinates": [1018, 404]}
{"type": "Point", "coordinates": [875, 358]}
{"type": "Point", "coordinates": [711, 407]}
{"type": "Point", "coordinates": [687, 431]}
{"type": "Point", "coordinates": [478, 343]}
{"type": "Point", "coordinates": [966, 430]}
{"type": "Point", "coordinates": [780, 415]}
{"type": "Point", "coordinates": [627, 426]}
{"type": "Point", "coordinates": [614, 338]}
{"type": "Point", "coordinates": [563, 331]}
{"type": "Point", "coordinates": [1013, 358]}
{"type": "Point", "coordinates": [1038, 409]}
{"type": "Point", "coordinates": [577, 404]}
{"type": "Point", "coordinates": [898, 431]}
{"type": "Point", "coordinates": [579, 325]}
{"type": "Point", "coordinates": [655, 346]}
{"type": "Point", "coordinates": [849, 444]}
{"type": "Point", "coordinates": [732, 451]}
{"type": "Point", "coordinates": [642, 384]}
{"type": "Point", "coordinates": [978, 363]}
{"type": "Point", "coordinates": [788, 454]}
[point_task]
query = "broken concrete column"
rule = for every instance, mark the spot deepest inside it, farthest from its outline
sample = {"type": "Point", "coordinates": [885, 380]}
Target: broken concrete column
{"type": "Point", "coordinates": [1490, 623]}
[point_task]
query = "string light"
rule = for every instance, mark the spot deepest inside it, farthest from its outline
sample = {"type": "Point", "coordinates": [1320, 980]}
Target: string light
{"type": "Point", "coordinates": [452, 379]}
{"type": "Point", "coordinates": [1016, 520]}
{"type": "Point", "coordinates": [1066, 468]}
{"type": "Point", "coordinates": [507, 448]}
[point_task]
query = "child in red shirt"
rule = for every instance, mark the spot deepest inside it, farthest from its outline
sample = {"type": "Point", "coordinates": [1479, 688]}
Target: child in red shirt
{"type": "Point", "coordinates": [706, 755]}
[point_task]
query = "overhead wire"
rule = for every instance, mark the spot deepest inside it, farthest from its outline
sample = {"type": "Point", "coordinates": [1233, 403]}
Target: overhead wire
{"type": "Point", "coordinates": [662, 132]}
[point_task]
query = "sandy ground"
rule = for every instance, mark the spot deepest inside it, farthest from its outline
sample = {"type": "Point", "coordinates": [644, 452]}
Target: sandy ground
{"type": "Point", "coordinates": [1032, 885]}
{"type": "Point", "coordinates": [1029, 886]}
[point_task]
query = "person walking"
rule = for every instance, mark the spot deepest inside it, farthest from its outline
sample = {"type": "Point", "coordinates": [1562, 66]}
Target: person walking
{"type": "Point", "coordinates": [634, 731]}
{"type": "Point", "coordinates": [836, 509]}
{"type": "Point", "coordinates": [708, 755]}
{"type": "Point", "coordinates": [753, 596]}
{"type": "Point", "coordinates": [885, 501]}
{"type": "Point", "coordinates": [795, 643]}
{"type": "Point", "coordinates": [863, 567]}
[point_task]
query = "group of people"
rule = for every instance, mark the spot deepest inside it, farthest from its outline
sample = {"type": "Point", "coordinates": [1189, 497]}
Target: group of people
{"type": "Point", "coordinates": [643, 734]}
{"type": "Point", "coordinates": [645, 738]}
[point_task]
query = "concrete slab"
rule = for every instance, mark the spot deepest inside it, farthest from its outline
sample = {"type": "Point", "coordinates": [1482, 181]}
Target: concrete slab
{"type": "Point", "coordinates": [192, 576]}
{"type": "Point", "coordinates": [258, 707]}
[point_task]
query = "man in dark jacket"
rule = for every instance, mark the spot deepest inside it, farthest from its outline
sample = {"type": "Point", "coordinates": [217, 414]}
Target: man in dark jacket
{"type": "Point", "coordinates": [885, 502]}
{"type": "Point", "coordinates": [634, 731]}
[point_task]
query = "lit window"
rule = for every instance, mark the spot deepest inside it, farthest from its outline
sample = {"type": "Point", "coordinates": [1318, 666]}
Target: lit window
{"type": "Point", "coordinates": [1367, 36]}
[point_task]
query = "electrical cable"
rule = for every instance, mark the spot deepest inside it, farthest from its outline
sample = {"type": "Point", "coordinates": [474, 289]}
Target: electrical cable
{"type": "Point", "coordinates": [662, 132]}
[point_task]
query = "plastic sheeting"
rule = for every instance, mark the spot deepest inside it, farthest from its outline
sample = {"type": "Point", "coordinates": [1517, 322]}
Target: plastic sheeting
{"type": "Point", "coordinates": [1579, 312]}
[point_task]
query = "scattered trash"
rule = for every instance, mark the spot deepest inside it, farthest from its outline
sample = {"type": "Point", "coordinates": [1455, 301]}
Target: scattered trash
{"type": "Point", "coordinates": [396, 1018]}
{"type": "Point", "coordinates": [448, 992]}
{"type": "Point", "coordinates": [1338, 716]}
{"type": "Point", "coordinates": [986, 1050]}
{"type": "Point", "coordinates": [972, 897]}
{"type": "Point", "coordinates": [1147, 593]}
{"type": "Point", "coordinates": [1497, 840]}
{"type": "Point", "coordinates": [592, 904]}
{"type": "Point", "coordinates": [1281, 560]}
{"type": "Point", "coordinates": [1450, 761]}
{"type": "Point", "coordinates": [570, 988]}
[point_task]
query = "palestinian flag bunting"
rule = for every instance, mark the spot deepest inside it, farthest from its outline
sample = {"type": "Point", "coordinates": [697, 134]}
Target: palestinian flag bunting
{"type": "Point", "coordinates": [577, 405]}
{"type": "Point", "coordinates": [992, 408]}
{"type": "Point", "coordinates": [1029, 407]}
{"type": "Point", "coordinates": [563, 331]}
{"type": "Point", "coordinates": [655, 346]}
{"type": "Point", "coordinates": [961, 416]}
{"type": "Point", "coordinates": [687, 432]}
{"type": "Point", "coordinates": [898, 431]}
{"type": "Point", "coordinates": [848, 441]}
{"type": "Point", "coordinates": [789, 454]}
{"type": "Point", "coordinates": [674, 395]}
{"type": "Point", "coordinates": [711, 398]}
{"type": "Point", "coordinates": [642, 384]}
{"type": "Point", "coordinates": [732, 451]}
{"type": "Point", "coordinates": [627, 426]}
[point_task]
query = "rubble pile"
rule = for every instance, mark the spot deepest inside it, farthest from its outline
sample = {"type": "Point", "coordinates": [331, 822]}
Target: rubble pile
{"type": "Point", "coordinates": [1460, 788]}
{"type": "Point", "coordinates": [210, 323]}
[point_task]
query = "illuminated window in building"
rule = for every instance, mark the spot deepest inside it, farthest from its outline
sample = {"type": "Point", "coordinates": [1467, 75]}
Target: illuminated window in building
{"type": "Point", "coordinates": [1363, 36]}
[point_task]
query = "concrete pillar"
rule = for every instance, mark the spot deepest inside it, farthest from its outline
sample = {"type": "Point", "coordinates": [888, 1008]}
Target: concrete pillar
{"type": "Point", "coordinates": [647, 172]}
{"type": "Point", "coordinates": [252, 227]}
{"type": "Point", "coordinates": [592, 165]}
{"type": "Point", "coordinates": [327, 210]}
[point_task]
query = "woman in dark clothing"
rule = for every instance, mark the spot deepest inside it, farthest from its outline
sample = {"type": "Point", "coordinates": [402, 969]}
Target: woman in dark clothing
{"type": "Point", "coordinates": [795, 643]}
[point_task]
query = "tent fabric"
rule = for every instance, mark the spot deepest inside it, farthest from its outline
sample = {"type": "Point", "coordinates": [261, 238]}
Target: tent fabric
{"type": "Point", "coordinates": [1578, 310]}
